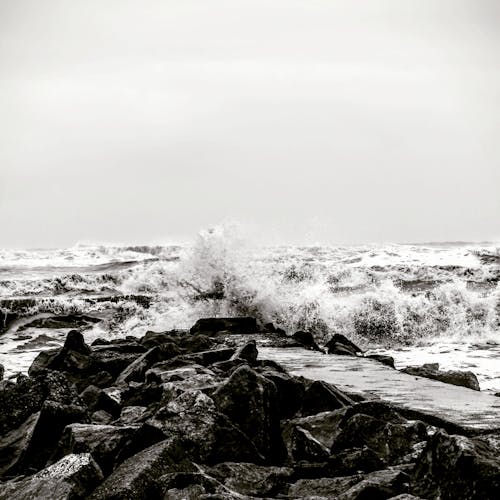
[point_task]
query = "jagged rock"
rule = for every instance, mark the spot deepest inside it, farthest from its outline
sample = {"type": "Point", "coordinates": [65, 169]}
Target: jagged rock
{"type": "Point", "coordinates": [136, 477]}
{"type": "Point", "coordinates": [306, 339]}
{"type": "Point", "coordinates": [320, 397]}
{"type": "Point", "coordinates": [73, 477]}
{"type": "Point", "coordinates": [19, 401]}
{"type": "Point", "coordinates": [454, 467]}
{"type": "Point", "coordinates": [141, 394]}
{"type": "Point", "coordinates": [103, 442]}
{"type": "Point", "coordinates": [378, 409]}
{"type": "Point", "coordinates": [132, 415]}
{"type": "Point", "coordinates": [382, 358]}
{"type": "Point", "coordinates": [210, 326]}
{"type": "Point", "coordinates": [390, 441]}
{"type": "Point", "coordinates": [250, 401]}
{"type": "Point", "coordinates": [290, 391]}
{"type": "Point", "coordinates": [247, 352]}
{"type": "Point", "coordinates": [454, 377]}
{"type": "Point", "coordinates": [97, 399]}
{"type": "Point", "coordinates": [101, 417]}
{"type": "Point", "coordinates": [2, 372]}
{"type": "Point", "coordinates": [192, 486]}
{"type": "Point", "coordinates": [207, 435]}
{"type": "Point", "coordinates": [375, 485]}
{"type": "Point", "coordinates": [111, 361]}
{"type": "Point", "coordinates": [102, 379]}
{"type": "Point", "coordinates": [339, 344]}
{"type": "Point", "coordinates": [250, 479]}
{"type": "Point", "coordinates": [6, 318]}
{"type": "Point", "coordinates": [189, 377]}
{"type": "Point", "coordinates": [354, 460]}
{"type": "Point", "coordinates": [45, 435]}
{"type": "Point", "coordinates": [302, 445]}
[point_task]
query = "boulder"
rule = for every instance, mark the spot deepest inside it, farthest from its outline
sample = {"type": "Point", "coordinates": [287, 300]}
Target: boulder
{"type": "Point", "coordinates": [2, 372]}
{"type": "Point", "coordinates": [458, 467]}
{"type": "Point", "coordinates": [249, 400]}
{"type": "Point", "coordinates": [306, 339]}
{"type": "Point", "coordinates": [339, 344]}
{"type": "Point", "coordinates": [72, 477]}
{"type": "Point", "coordinates": [136, 477]}
{"type": "Point", "coordinates": [97, 399]}
{"type": "Point", "coordinates": [454, 377]}
{"type": "Point", "coordinates": [353, 461]}
{"type": "Point", "coordinates": [321, 396]}
{"type": "Point", "coordinates": [302, 445]}
{"type": "Point", "coordinates": [103, 442]}
{"type": "Point", "coordinates": [251, 479]}
{"type": "Point", "coordinates": [390, 441]}
{"type": "Point", "coordinates": [210, 326]}
{"type": "Point", "coordinates": [133, 415]}
{"type": "Point", "coordinates": [247, 352]}
{"type": "Point", "coordinates": [141, 394]}
{"type": "Point", "coordinates": [382, 358]}
{"type": "Point", "coordinates": [136, 370]}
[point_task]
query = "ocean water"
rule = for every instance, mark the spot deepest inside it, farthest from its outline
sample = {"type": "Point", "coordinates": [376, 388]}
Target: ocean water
{"type": "Point", "coordinates": [420, 303]}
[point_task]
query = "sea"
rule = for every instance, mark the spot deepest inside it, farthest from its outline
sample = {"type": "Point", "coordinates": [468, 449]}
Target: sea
{"type": "Point", "coordinates": [420, 303]}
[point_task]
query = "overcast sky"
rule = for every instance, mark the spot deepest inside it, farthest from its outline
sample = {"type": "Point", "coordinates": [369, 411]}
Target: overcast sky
{"type": "Point", "coordinates": [341, 121]}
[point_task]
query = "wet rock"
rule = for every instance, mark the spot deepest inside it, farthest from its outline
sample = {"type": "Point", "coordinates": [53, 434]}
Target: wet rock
{"type": "Point", "coordinates": [320, 397]}
{"type": "Point", "coordinates": [141, 394]}
{"type": "Point", "coordinates": [73, 477]}
{"type": "Point", "coordinates": [390, 441]}
{"type": "Point", "coordinates": [454, 377]}
{"type": "Point", "coordinates": [19, 401]}
{"type": "Point", "coordinates": [354, 460]}
{"type": "Point", "coordinates": [45, 435]}
{"type": "Point", "coordinates": [103, 442]}
{"type": "Point", "coordinates": [132, 415]}
{"type": "Point", "coordinates": [111, 361]}
{"type": "Point", "coordinates": [382, 358]}
{"type": "Point", "coordinates": [210, 326]}
{"type": "Point", "coordinates": [62, 321]}
{"type": "Point", "coordinates": [97, 399]}
{"type": "Point", "coordinates": [375, 485]}
{"type": "Point", "coordinates": [136, 370]}
{"type": "Point", "coordinates": [247, 352]}
{"type": "Point", "coordinates": [459, 467]}
{"type": "Point", "coordinates": [6, 318]}
{"type": "Point", "coordinates": [377, 409]}
{"type": "Point", "coordinates": [306, 339]}
{"type": "Point", "coordinates": [2, 372]}
{"type": "Point", "coordinates": [101, 417]}
{"type": "Point", "coordinates": [136, 477]}
{"type": "Point", "coordinates": [339, 344]}
{"type": "Point", "coordinates": [101, 379]}
{"type": "Point", "coordinates": [290, 391]}
{"type": "Point", "coordinates": [250, 479]}
{"type": "Point", "coordinates": [302, 445]}
{"type": "Point", "coordinates": [189, 377]}
{"type": "Point", "coordinates": [207, 435]}
{"type": "Point", "coordinates": [249, 400]}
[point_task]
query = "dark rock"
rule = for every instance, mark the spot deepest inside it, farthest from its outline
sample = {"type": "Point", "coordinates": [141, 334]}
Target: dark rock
{"type": "Point", "coordinates": [290, 391]}
{"type": "Point", "coordinates": [304, 446]}
{"type": "Point", "coordinates": [459, 467]}
{"type": "Point", "coordinates": [103, 442]}
{"type": "Point", "coordinates": [247, 352]}
{"type": "Point", "coordinates": [339, 344]}
{"type": "Point", "coordinates": [306, 339]}
{"type": "Point", "coordinates": [390, 441]}
{"type": "Point", "coordinates": [250, 401]}
{"type": "Point", "coordinates": [132, 415]}
{"type": "Point", "coordinates": [191, 486]}
{"type": "Point", "coordinates": [320, 397]}
{"type": "Point", "coordinates": [2, 372]}
{"type": "Point", "coordinates": [19, 401]}
{"type": "Point", "coordinates": [45, 435]}
{"type": "Point", "coordinates": [210, 326]}
{"type": "Point", "coordinates": [206, 358]}
{"type": "Point", "coordinates": [454, 377]}
{"type": "Point", "coordinates": [353, 461]}
{"type": "Point", "coordinates": [101, 417]}
{"type": "Point", "coordinates": [111, 361]}
{"type": "Point", "coordinates": [6, 318]}
{"type": "Point", "coordinates": [377, 409]}
{"type": "Point", "coordinates": [136, 477]}
{"type": "Point", "coordinates": [73, 477]}
{"type": "Point", "coordinates": [96, 399]}
{"type": "Point", "coordinates": [188, 377]}
{"type": "Point", "coordinates": [101, 379]}
{"type": "Point", "coordinates": [250, 479]}
{"type": "Point", "coordinates": [382, 358]}
{"type": "Point", "coordinates": [136, 370]}
{"type": "Point", "coordinates": [378, 485]}
{"type": "Point", "coordinates": [141, 394]}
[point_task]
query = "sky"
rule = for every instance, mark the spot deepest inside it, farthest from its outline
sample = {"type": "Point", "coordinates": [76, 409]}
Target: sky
{"type": "Point", "coordinates": [333, 121]}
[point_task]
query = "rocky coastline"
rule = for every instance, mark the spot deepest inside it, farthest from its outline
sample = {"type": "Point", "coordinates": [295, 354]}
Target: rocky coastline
{"type": "Point", "coordinates": [197, 414]}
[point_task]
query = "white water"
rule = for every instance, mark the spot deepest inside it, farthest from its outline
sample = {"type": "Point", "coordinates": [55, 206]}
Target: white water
{"type": "Point", "coordinates": [421, 303]}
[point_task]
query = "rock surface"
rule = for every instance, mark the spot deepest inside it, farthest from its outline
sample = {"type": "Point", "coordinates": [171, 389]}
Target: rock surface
{"type": "Point", "coordinates": [455, 377]}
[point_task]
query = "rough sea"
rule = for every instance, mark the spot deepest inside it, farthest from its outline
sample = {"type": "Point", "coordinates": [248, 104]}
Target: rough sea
{"type": "Point", "coordinates": [436, 302]}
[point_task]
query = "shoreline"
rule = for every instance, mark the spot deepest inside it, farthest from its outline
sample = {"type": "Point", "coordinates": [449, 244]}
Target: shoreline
{"type": "Point", "coordinates": [200, 415]}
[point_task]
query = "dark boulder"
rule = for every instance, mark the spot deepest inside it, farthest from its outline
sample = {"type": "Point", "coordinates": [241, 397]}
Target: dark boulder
{"type": "Point", "coordinates": [390, 441]}
{"type": "Point", "coordinates": [132, 415]}
{"type": "Point", "coordinates": [136, 477]}
{"type": "Point", "coordinates": [454, 377]}
{"type": "Point", "coordinates": [210, 326]}
{"type": "Point", "coordinates": [2, 372]}
{"type": "Point", "coordinates": [247, 352]}
{"type": "Point", "coordinates": [251, 479]}
{"type": "Point", "coordinates": [192, 486]}
{"type": "Point", "coordinates": [73, 477]}
{"type": "Point", "coordinates": [250, 401]}
{"type": "Point", "coordinates": [454, 467]}
{"type": "Point", "coordinates": [382, 358]}
{"type": "Point", "coordinates": [97, 399]}
{"type": "Point", "coordinates": [339, 344]}
{"type": "Point", "coordinates": [103, 442]}
{"type": "Point", "coordinates": [306, 339]}
{"type": "Point", "coordinates": [302, 445]}
{"type": "Point", "coordinates": [321, 396]}
{"type": "Point", "coordinates": [136, 370]}
{"type": "Point", "coordinates": [354, 460]}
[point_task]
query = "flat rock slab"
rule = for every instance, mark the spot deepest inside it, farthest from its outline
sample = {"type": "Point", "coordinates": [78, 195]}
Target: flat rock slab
{"type": "Point", "coordinates": [465, 407]}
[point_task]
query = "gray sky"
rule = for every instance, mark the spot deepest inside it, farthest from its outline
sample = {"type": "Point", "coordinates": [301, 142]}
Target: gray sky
{"type": "Point", "coordinates": [341, 121]}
